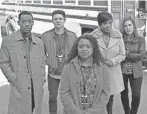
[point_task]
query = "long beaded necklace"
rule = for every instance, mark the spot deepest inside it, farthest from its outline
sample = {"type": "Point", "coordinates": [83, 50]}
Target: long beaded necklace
{"type": "Point", "coordinates": [87, 86]}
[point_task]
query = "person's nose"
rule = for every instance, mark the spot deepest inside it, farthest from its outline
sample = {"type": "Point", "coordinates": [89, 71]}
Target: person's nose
{"type": "Point", "coordinates": [27, 24]}
{"type": "Point", "coordinates": [108, 25]}
{"type": "Point", "coordinates": [84, 48]}
{"type": "Point", "coordinates": [128, 27]}
{"type": "Point", "coordinates": [58, 20]}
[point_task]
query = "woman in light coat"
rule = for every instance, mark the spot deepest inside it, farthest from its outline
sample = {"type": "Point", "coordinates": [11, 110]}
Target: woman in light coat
{"type": "Point", "coordinates": [112, 48]}
{"type": "Point", "coordinates": [84, 87]}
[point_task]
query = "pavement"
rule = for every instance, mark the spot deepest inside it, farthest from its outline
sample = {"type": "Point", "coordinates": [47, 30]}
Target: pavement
{"type": "Point", "coordinates": [117, 108]}
{"type": "Point", "coordinates": [4, 97]}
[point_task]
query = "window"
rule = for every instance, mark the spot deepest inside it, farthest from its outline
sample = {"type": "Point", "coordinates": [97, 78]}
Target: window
{"type": "Point", "coordinates": [116, 17]}
{"type": "Point", "coordinates": [100, 3]}
{"type": "Point", "coordinates": [6, 0]}
{"type": "Point", "coordinates": [13, 1]}
{"type": "Point", "coordinates": [28, 1]}
{"type": "Point", "coordinates": [116, 3]}
{"type": "Point", "coordinates": [84, 2]}
{"type": "Point", "coordinates": [129, 4]}
{"type": "Point", "coordinates": [46, 1]}
{"type": "Point", "coordinates": [19, 1]}
{"type": "Point", "coordinates": [70, 1]}
{"type": "Point", "coordinates": [36, 1]}
{"type": "Point", "coordinates": [57, 1]}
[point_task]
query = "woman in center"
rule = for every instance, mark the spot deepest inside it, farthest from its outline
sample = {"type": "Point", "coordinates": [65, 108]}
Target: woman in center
{"type": "Point", "coordinates": [84, 87]}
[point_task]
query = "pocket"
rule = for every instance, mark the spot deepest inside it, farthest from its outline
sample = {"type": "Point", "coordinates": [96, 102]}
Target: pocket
{"type": "Point", "coordinates": [14, 60]}
{"type": "Point", "coordinates": [16, 92]}
{"type": "Point", "coordinates": [15, 83]}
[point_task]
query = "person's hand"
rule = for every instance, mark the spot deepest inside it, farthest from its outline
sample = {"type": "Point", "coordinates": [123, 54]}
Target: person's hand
{"type": "Point", "coordinates": [108, 62]}
{"type": "Point", "coordinates": [127, 53]}
{"type": "Point", "coordinates": [51, 70]}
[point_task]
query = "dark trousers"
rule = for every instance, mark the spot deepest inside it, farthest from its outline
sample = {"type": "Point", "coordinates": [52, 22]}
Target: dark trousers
{"type": "Point", "coordinates": [135, 85]}
{"type": "Point", "coordinates": [110, 105]}
{"type": "Point", "coordinates": [53, 85]}
{"type": "Point", "coordinates": [33, 100]}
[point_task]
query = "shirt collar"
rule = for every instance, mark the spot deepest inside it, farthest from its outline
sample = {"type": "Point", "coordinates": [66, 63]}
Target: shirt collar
{"type": "Point", "coordinates": [134, 39]}
{"type": "Point", "coordinates": [89, 64]}
{"type": "Point", "coordinates": [55, 34]}
{"type": "Point", "coordinates": [19, 37]}
{"type": "Point", "coordinates": [28, 36]}
{"type": "Point", "coordinates": [79, 63]}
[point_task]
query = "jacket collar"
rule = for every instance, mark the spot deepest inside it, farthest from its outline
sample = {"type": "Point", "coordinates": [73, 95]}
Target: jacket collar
{"type": "Point", "coordinates": [75, 63]}
{"type": "Point", "coordinates": [55, 34]}
{"type": "Point", "coordinates": [135, 39]}
{"type": "Point", "coordinates": [77, 66]}
{"type": "Point", "coordinates": [114, 37]}
{"type": "Point", "coordinates": [20, 38]}
{"type": "Point", "coordinates": [98, 33]}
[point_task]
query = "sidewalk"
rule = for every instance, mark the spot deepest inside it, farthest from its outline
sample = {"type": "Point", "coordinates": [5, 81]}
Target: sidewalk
{"type": "Point", "coordinates": [4, 97]}
{"type": "Point", "coordinates": [117, 107]}
{"type": "Point", "coordinates": [3, 80]}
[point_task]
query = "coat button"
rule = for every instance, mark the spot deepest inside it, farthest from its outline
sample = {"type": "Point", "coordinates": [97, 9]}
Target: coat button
{"type": "Point", "coordinates": [28, 87]}
{"type": "Point", "coordinates": [24, 57]}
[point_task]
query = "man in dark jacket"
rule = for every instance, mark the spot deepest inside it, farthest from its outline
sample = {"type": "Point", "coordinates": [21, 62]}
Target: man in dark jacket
{"type": "Point", "coordinates": [57, 44]}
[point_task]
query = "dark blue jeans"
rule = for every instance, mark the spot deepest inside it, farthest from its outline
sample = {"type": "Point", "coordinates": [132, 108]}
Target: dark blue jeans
{"type": "Point", "coordinates": [53, 85]}
{"type": "Point", "coordinates": [135, 85]}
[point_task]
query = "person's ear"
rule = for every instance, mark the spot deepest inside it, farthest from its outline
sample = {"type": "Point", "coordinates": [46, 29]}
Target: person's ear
{"type": "Point", "coordinates": [33, 22]}
{"type": "Point", "coordinates": [64, 20]}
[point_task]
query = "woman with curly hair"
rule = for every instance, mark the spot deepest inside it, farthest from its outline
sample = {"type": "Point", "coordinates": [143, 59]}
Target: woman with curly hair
{"type": "Point", "coordinates": [84, 87]}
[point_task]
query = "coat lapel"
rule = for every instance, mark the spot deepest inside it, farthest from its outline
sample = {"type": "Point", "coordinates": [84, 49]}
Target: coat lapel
{"type": "Point", "coordinates": [97, 71]}
{"type": "Point", "coordinates": [112, 42]}
{"type": "Point", "coordinates": [77, 67]}
{"type": "Point", "coordinates": [98, 35]}
{"type": "Point", "coordinates": [101, 43]}
{"type": "Point", "coordinates": [114, 38]}
{"type": "Point", "coordinates": [18, 36]}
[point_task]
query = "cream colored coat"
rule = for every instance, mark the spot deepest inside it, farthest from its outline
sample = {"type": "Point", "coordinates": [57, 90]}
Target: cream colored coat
{"type": "Point", "coordinates": [14, 67]}
{"type": "Point", "coordinates": [116, 53]}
